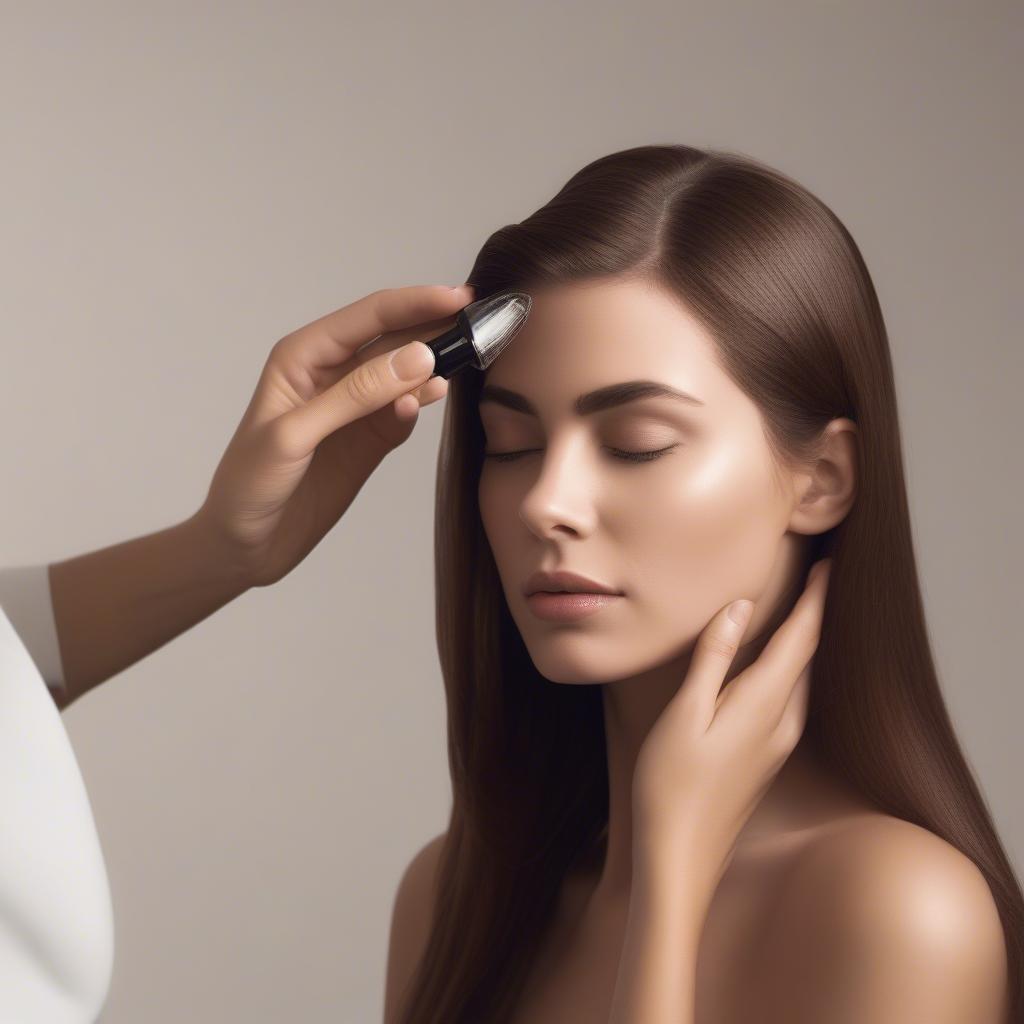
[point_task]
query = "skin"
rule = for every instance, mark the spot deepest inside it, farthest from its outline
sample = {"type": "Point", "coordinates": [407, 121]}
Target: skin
{"type": "Point", "coordinates": [684, 535]}
{"type": "Point", "coordinates": [701, 767]}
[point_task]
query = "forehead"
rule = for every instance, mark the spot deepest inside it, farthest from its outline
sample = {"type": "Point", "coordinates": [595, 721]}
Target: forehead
{"type": "Point", "coordinates": [586, 335]}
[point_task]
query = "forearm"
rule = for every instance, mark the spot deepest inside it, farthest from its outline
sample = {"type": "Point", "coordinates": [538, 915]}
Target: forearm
{"type": "Point", "coordinates": [656, 983]}
{"type": "Point", "coordinates": [114, 606]}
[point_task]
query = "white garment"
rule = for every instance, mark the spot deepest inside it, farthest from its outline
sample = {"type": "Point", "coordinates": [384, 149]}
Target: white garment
{"type": "Point", "coordinates": [56, 916]}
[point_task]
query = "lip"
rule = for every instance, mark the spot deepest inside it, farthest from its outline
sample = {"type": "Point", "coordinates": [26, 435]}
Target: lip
{"type": "Point", "coordinates": [568, 607]}
{"type": "Point", "coordinates": [569, 582]}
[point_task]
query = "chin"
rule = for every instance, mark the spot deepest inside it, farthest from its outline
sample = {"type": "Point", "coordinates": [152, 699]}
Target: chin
{"type": "Point", "coordinates": [572, 656]}
{"type": "Point", "coordinates": [570, 674]}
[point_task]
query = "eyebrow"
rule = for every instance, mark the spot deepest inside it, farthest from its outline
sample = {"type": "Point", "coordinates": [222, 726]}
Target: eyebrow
{"type": "Point", "coordinates": [594, 401]}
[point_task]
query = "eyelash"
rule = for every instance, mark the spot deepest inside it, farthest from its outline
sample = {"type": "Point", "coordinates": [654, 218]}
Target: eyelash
{"type": "Point", "coordinates": [616, 453]}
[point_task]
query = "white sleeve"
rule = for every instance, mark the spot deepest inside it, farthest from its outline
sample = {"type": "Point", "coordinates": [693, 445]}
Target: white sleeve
{"type": "Point", "coordinates": [56, 914]}
{"type": "Point", "coordinates": [25, 597]}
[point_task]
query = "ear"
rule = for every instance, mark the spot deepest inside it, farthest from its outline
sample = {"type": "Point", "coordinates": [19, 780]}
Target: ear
{"type": "Point", "coordinates": [825, 490]}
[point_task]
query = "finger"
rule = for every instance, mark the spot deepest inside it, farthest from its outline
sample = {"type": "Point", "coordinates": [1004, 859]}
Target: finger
{"type": "Point", "coordinates": [790, 727]}
{"type": "Point", "coordinates": [713, 654]}
{"type": "Point", "coordinates": [407, 407]}
{"type": "Point", "coordinates": [764, 688]}
{"type": "Point", "coordinates": [434, 389]}
{"type": "Point", "coordinates": [335, 337]}
{"type": "Point", "coordinates": [384, 343]}
{"type": "Point", "coordinates": [328, 376]}
{"type": "Point", "coordinates": [370, 386]}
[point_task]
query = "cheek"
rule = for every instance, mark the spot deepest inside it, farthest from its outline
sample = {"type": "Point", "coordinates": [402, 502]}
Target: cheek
{"type": "Point", "coordinates": [489, 500]}
{"type": "Point", "coordinates": [498, 515]}
{"type": "Point", "coordinates": [705, 532]}
{"type": "Point", "coordinates": [505, 533]}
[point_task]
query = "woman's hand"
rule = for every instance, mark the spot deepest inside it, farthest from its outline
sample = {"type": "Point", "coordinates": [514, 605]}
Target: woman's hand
{"type": "Point", "coordinates": [711, 755]}
{"type": "Point", "coordinates": [326, 410]}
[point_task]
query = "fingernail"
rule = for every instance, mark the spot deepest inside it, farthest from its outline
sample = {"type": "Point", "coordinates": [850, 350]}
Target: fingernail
{"type": "Point", "coordinates": [411, 361]}
{"type": "Point", "coordinates": [739, 611]}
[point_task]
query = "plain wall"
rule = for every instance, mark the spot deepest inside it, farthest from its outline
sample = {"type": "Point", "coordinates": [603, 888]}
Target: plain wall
{"type": "Point", "coordinates": [183, 184]}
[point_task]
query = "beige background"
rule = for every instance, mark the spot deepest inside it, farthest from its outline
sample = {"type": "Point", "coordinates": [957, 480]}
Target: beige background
{"type": "Point", "coordinates": [184, 185]}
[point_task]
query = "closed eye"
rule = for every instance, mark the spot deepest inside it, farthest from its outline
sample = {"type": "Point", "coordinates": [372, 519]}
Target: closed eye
{"type": "Point", "coordinates": [616, 453]}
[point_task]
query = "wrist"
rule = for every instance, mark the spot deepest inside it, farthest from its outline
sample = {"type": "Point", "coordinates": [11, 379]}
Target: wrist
{"type": "Point", "coordinates": [670, 903]}
{"type": "Point", "coordinates": [206, 542]}
{"type": "Point", "coordinates": [672, 874]}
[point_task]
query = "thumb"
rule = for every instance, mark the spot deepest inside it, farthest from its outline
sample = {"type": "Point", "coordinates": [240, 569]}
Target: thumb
{"type": "Point", "coordinates": [370, 386]}
{"type": "Point", "coordinates": [714, 652]}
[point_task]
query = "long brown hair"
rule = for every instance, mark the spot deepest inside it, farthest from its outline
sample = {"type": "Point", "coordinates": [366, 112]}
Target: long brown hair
{"type": "Point", "coordinates": [782, 289]}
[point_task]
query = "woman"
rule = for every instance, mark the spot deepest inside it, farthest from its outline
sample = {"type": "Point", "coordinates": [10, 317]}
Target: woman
{"type": "Point", "coordinates": [869, 882]}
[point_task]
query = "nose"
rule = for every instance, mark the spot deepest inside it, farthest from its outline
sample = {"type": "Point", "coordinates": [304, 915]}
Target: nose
{"type": "Point", "coordinates": [562, 496]}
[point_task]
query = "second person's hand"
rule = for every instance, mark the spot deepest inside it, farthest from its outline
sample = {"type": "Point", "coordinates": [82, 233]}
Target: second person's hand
{"type": "Point", "coordinates": [326, 410]}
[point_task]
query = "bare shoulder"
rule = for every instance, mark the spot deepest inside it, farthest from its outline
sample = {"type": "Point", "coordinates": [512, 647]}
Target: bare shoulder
{"type": "Point", "coordinates": [894, 923]}
{"type": "Point", "coordinates": [415, 884]}
{"type": "Point", "coordinates": [881, 870]}
{"type": "Point", "coordinates": [411, 915]}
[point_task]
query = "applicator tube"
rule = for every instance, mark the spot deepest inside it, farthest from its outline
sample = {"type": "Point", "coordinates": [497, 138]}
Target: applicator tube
{"type": "Point", "coordinates": [482, 330]}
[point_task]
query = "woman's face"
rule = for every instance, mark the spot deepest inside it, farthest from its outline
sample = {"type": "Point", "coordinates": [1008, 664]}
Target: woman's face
{"type": "Point", "coordinates": [680, 535]}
